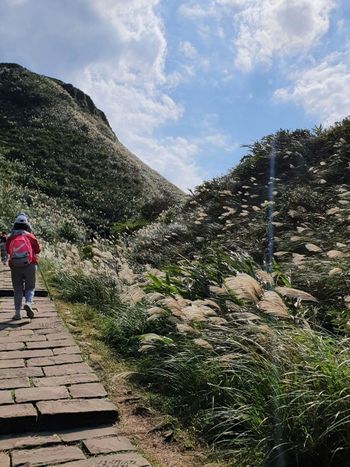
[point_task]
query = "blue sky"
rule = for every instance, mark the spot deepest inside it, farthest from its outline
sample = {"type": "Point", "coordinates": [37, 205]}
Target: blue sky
{"type": "Point", "coordinates": [185, 83]}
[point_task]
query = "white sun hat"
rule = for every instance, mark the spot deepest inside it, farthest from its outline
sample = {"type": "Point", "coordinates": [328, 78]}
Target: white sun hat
{"type": "Point", "coordinates": [21, 219]}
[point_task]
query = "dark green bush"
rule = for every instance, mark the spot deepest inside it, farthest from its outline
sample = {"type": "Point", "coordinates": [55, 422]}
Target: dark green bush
{"type": "Point", "coordinates": [127, 227]}
{"type": "Point", "coordinates": [98, 291]}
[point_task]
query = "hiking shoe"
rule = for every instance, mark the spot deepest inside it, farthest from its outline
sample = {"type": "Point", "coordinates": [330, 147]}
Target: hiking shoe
{"type": "Point", "coordinates": [16, 317]}
{"type": "Point", "coordinates": [29, 310]}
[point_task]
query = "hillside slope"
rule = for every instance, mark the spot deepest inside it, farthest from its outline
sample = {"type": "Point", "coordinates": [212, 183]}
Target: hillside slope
{"type": "Point", "coordinates": [54, 139]}
{"type": "Point", "coordinates": [306, 197]}
{"type": "Point", "coordinates": [254, 363]}
{"type": "Point", "coordinates": [239, 356]}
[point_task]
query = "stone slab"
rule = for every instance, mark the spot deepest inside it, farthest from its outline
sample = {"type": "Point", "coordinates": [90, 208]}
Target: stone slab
{"type": "Point", "coordinates": [112, 460]}
{"type": "Point", "coordinates": [87, 390]}
{"type": "Point", "coordinates": [43, 314]}
{"type": "Point", "coordinates": [34, 338]}
{"type": "Point", "coordinates": [10, 338]}
{"type": "Point", "coordinates": [108, 444]}
{"type": "Point", "coordinates": [26, 441]}
{"type": "Point", "coordinates": [11, 324]}
{"type": "Point", "coordinates": [76, 412]}
{"type": "Point", "coordinates": [43, 324]}
{"type": "Point", "coordinates": [15, 363]}
{"type": "Point", "coordinates": [66, 350]}
{"type": "Point", "coordinates": [46, 456]}
{"type": "Point", "coordinates": [78, 435]}
{"type": "Point", "coordinates": [41, 394]}
{"type": "Point", "coordinates": [70, 369]}
{"type": "Point", "coordinates": [56, 360]}
{"type": "Point", "coordinates": [21, 332]}
{"type": "Point", "coordinates": [65, 380]}
{"type": "Point", "coordinates": [11, 346]}
{"type": "Point", "coordinates": [26, 354]}
{"type": "Point", "coordinates": [14, 383]}
{"type": "Point", "coordinates": [6, 397]}
{"type": "Point", "coordinates": [59, 336]}
{"type": "Point", "coordinates": [8, 373]}
{"type": "Point", "coordinates": [17, 418]}
{"type": "Point", "coordinates": [50, 344]}
{"type": "Point", "coordinates": [51, 330]}
{"type": "Point", "coordinates": [5, 460]}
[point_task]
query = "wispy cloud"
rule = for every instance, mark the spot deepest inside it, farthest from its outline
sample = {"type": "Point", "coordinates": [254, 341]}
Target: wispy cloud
{"type": "Point", "coordinates": [207, 8]}
{"type": "Point", "coordinates": [322, 90]}
{"type": "Point", "coordinates": [269, 28]}
{"type": "Point", "coordinates": [261, 29]}
{"type": "Point", "coordinates": [187, 49]}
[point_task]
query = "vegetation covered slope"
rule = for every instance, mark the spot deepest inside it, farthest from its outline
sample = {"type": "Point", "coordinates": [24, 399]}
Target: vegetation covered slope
{"type": "Point", "coordinates": [309, 209]}
{"type": "Point", "coordinates": [54, 140]}
{"type": "Point", "coordinates": [254, 363]}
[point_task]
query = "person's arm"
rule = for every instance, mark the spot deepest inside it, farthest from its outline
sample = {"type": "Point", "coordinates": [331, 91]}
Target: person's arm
{"type": "Point", "coordinates": [35, 244]}
{"type": "Point", "coordinates": [8, 241]}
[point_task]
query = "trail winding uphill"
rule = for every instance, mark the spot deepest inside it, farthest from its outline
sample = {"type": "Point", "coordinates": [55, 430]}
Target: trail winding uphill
{"type": "Point", "coordinates": [53, 410]}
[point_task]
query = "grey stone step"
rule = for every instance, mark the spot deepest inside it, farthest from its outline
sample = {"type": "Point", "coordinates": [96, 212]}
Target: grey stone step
{"type": "Point", "coordinates": [75, 413]}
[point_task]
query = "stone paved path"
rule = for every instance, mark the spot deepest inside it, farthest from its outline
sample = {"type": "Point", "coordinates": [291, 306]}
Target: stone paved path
{"type": "Point", "coordinates": [53, 410]}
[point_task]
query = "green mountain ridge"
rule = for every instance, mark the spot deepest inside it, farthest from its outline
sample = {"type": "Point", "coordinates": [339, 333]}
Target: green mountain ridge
{"type": "Point", "coordinates": [310, 212]}
{"type": "Point", "coordinates": [63, 146]}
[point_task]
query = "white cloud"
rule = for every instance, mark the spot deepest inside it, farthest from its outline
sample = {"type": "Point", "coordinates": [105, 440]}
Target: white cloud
{"type": "Point", "coordinates": [188, 52]}
{"type": "Point", "coordinates": [132, 88]}
{"type": "Point", "coordinates": [174, 157]}
{"type": "Point", "coordinates": [218, 140]}
{"type": "Point", "coordinates": [322, 90]}
{"type": "Point", "coordinates": [187, 49]}
{"type": "Point", "coordinates": [131, 109]}
{"type": "Point", "coordinates": [278, 27]}
{"type": "Point", "coordinates": [184, 73]}
{"type": "Point", "coordinates": [205, 9]}
{"type": "Point", "coordinates": [195, 11]}
{"type": "Point", "coordinates": [141, 38]}
{"type": "Point", "coordinates": [259, 30]}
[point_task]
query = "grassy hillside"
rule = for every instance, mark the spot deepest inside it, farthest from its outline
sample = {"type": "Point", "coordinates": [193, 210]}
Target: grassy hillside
{"type": "Point", "coordinates": [310, 212]}
{"type": "Point", "coordinates": [262, 354]}
{"type": "Point", "coordinates": [311, 173]}
{"type": "Point", "coordinates": [62, 146]}
{"type": "Point", "coordinates": [251, 356]}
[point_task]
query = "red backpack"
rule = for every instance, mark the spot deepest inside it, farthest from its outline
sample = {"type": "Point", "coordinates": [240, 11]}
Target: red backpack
{"type": "Point", "coordinates": [21, 251]}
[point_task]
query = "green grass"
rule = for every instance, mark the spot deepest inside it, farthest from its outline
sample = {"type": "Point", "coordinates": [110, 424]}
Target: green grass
{"type": "Point", "coordinates": [62, 146]}
{"type": "Point", "coordinates": [281, 398]}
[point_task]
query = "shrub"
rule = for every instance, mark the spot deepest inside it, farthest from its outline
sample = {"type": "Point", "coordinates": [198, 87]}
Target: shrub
{"type": "Point", "coordinates": [97, 290]}
{"type": "Point", "coordinates": [68, 231]}
{"type": "Point", "coordinates": [123, 328]}
{"type": "Point", "coordinates": [283, 403]}
{"type": "Point", "coordinates": [128, 226]}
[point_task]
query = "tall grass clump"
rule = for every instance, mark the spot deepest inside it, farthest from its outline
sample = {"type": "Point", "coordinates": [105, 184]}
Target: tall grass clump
{"type": "Point", "coordinates": [97, 290]}
{"type": "Point", "coordinates": [264, 394]}
{"type": "Point", "coordinates": [284, 401]}
{"type": "Point", "coordinates": [125, 326]}
{"type": "Point", "coordinates": [120, 325]}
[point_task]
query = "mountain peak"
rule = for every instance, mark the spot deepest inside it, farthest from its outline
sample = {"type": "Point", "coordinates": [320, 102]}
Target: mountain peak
{"type": "Point", "coordinates": [66, 148]}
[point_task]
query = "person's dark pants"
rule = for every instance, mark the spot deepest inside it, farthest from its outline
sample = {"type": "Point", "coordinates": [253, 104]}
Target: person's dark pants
{"type": "Point", "coordinates": [23, 278]}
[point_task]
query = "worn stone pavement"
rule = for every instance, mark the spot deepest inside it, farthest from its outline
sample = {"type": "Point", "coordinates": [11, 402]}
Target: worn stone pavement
{"type": "Point", "coordinates": [53, 409]}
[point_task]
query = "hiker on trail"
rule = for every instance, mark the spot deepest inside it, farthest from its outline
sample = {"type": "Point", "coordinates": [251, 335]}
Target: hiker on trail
{"type": "Point", "coordinates": [3, 239]}
{"type": "Point", "coordinates": [22, 248]}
